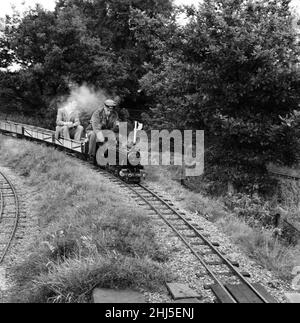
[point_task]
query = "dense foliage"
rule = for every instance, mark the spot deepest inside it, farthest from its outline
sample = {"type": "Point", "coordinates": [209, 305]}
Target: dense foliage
{"type": "Point", "coordinates": [232, 69]}
{"type": "Point", "coordinates": [81, 41]}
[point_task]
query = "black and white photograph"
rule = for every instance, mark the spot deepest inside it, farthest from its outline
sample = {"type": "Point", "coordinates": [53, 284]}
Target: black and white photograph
{"type": "Point", "coordinates": [150, 154]}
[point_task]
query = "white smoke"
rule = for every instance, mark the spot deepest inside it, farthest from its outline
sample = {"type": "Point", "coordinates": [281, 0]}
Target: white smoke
{"type": "Point", "coordinates": [85, 100]}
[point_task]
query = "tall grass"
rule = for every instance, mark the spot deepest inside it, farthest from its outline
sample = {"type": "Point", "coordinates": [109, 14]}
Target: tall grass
{"type": "Point", "coordinates": [290, 200]}
{"type": "Point", "coordinates": [167, 178]}
{"type": "Point", "coordinates": [262, 246]}
{"type": "Point", "coordinates": [89, 235]}
{"type": "Point", "coordinates": [256, 241]}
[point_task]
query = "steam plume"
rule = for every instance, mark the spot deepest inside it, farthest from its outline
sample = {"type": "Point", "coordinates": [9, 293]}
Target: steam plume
{"type": "Point", "coordinates": [85, 100]}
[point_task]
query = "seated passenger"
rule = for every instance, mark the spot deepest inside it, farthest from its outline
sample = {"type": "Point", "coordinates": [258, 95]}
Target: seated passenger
{"type": "Point", "coordinates": [105, 118]}
{"type": "Point", "coordinates": [68, 125]}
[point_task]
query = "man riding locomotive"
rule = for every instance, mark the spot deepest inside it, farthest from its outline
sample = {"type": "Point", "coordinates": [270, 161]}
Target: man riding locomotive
{"type": "Point", "coordinates": [104, 118]}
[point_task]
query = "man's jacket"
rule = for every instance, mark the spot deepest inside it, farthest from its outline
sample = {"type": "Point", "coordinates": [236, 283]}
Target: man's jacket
{"type": "Point", "coordinates": [100, 121]}
{"type": "Point", "coordinates": [63, 117]}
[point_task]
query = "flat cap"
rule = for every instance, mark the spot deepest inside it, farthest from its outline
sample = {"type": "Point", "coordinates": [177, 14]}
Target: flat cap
{"type": "Point", "coordinates": [110, 103]}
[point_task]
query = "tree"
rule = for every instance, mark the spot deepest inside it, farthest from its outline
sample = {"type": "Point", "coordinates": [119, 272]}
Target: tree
{"type": "Point", "coordinates": [110, 21]}
{"type": "Point", "coordinates": [83, 42]}
{"type": "Point", "coordinates": [234, 72]}
{"type": "Point", "coordinates": [5, 55]}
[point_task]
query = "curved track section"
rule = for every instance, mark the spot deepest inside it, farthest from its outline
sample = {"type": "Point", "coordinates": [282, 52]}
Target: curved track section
{"type": "Point", "coordinates": [9, 215]}
{"type": "Point", "coordinates": [194, 238]}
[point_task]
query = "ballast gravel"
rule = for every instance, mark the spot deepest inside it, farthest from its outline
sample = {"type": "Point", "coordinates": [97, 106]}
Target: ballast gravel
{"type": "Point", "coordinates": [187, 269]}
{"type": "Point", "coordinates": [186, 266]}
{"type": "Point", "coordinates": [182, 264]}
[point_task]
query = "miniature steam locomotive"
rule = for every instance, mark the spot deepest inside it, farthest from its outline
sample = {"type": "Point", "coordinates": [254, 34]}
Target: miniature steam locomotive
{"type": "Point", "coordinates": [123, 167]}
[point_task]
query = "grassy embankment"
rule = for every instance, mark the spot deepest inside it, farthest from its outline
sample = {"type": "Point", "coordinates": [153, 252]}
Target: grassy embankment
{"type": "Point", "coordinates": [90, 235]}
{"type": "Point", "coordinates": [259, 243]}
{"type": "Point", "coordinates": [290, 193]}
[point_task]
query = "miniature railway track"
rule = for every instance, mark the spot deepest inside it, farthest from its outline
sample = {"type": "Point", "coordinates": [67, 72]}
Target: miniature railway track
{"type": "Point", "coordinates": [9, 215]}
{"type": "Point", "coordinates": [231, 286]}
{"type": "Point", "coordinates": [194, 237]}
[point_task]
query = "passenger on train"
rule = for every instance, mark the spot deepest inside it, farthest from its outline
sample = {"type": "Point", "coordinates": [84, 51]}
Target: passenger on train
{"type": "Point", "coordinates": [105, 118]}
{"type": "Point", "coordinates": [68, 123]}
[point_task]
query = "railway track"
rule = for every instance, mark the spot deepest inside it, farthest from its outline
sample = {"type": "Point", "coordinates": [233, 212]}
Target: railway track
{"type": "Point", "coordinates": [229, 286]}
{"type": "Point", "coordinates": [9, 215]}
{"type": "Point", "coordinates": [232, 286]}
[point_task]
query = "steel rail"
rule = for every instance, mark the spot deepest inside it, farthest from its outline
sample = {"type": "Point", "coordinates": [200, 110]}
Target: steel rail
{"type": "Point", "coordinates": [196, 254]}
{"type": "Point", "coordinates": [208, 243]}
{"type": "Point", "coordinates": [17, 216]}
{"type": "Point", "coordinates": [196, 231]}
